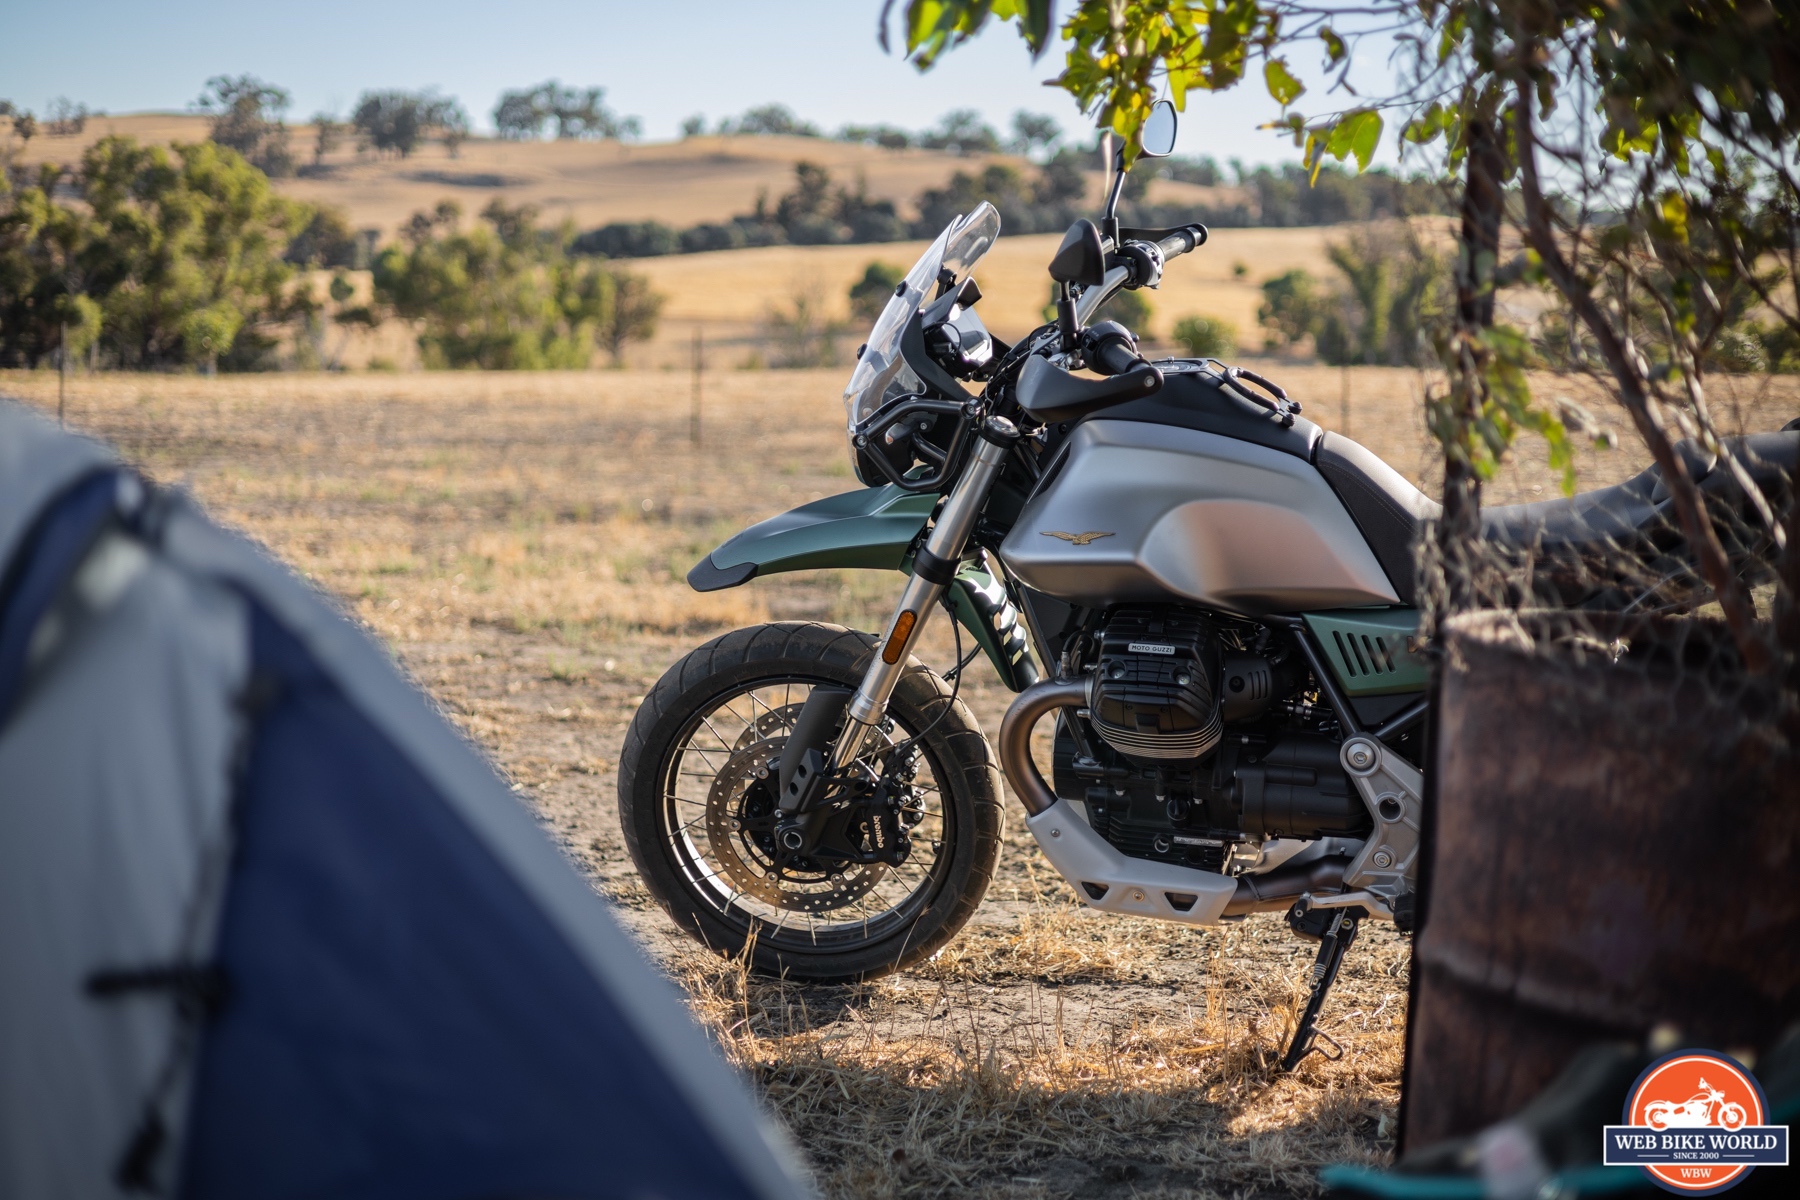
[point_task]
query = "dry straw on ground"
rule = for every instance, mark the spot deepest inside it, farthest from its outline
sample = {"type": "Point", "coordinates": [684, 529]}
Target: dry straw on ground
{"type": "Point", "coordinates": [520, 542]}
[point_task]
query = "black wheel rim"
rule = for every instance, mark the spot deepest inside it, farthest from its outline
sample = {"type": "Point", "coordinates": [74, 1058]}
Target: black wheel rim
{"type": "Point", "coordinates": [728, 738]}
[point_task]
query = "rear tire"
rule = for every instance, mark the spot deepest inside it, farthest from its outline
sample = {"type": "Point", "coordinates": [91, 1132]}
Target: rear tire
{"type": "Point", "coordinates": [678, 736]}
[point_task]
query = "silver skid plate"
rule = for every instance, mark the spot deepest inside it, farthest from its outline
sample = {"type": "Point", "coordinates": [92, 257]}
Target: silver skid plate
{"type": "Point", "coordinates": [1132, 886]}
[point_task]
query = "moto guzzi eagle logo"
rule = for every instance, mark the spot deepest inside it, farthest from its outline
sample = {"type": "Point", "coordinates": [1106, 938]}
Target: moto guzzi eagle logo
{"type": "Point", "coordinates": [1078, 539]}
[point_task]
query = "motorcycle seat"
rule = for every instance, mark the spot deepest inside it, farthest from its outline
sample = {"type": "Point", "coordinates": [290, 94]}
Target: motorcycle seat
{"type": "Point", "coordinates": [1577, 534]}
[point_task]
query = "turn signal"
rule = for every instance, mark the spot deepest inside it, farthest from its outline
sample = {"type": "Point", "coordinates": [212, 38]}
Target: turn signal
{"type": "Point", "coordinates": [896, 643]}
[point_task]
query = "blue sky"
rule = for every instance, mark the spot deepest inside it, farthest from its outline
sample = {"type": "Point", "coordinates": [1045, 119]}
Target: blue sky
{"type": "Point", "coordinates": [661, 61]}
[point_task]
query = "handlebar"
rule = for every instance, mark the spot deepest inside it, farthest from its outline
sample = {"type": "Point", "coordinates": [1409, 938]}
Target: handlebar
{"type": "Point", "coordinates": [1114, 356]}
{"type": "Point", "coordinates": [1180, 241]}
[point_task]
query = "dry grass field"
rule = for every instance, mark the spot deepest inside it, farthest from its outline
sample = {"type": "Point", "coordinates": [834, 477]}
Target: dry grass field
{"type": "Point", "coordinates": [520, 542]}
{"type": "Point", "coordinates": [589, 183]}
{"type": "Point", "coordinates": [730, 293]}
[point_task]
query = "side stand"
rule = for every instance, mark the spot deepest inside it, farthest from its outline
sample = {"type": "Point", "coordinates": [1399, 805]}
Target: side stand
{"type": "Point", "coordinates": [1336, 930]}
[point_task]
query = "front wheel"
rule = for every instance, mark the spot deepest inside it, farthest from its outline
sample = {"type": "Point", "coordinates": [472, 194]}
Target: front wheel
{"type": "Point", "coordinates": [692, 786]}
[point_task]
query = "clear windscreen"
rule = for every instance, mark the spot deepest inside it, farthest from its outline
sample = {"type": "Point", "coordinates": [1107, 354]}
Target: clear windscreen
{"type": "Point", "coordinates": [881, 373]}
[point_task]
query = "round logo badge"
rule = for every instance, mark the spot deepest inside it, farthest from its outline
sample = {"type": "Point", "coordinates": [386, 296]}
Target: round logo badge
{"type": "Point", "coordinates": [1700, 1110]}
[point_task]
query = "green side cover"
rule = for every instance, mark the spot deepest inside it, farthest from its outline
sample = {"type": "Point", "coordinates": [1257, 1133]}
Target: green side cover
{"type": "Point", "coordinates": [1369, 649]}
{"type": "Point", "coordinates": [875, 528]}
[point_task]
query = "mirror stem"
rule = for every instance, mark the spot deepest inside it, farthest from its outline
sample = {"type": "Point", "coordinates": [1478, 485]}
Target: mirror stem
{"type": "Point", "coordinates": [1109, 224]}
{"type": "Point", "coordinates": [1066, 320]}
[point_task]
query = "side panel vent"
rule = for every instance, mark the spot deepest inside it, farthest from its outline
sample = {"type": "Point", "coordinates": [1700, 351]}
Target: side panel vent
{"type": "Point", "coordinates": [1372, 652]}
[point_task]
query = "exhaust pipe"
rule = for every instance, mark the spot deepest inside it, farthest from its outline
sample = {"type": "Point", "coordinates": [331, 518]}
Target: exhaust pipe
{"type": "Point", "coordinates": [1033, 704]}
{"type": "Point", "coordinates": [1277, 889]}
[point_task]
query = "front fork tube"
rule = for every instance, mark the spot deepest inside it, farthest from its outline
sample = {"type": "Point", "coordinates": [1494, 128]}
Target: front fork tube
{"type": "Point", "coordinates": [934, 567]}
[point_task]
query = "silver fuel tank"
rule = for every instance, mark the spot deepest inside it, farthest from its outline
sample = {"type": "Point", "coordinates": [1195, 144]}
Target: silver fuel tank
{"type": "Point", "coordinates": [1139, 511]}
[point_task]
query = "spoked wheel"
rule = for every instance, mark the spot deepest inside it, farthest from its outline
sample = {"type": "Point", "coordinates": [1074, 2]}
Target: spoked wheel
{"type": "Point", "coordinates": [697, 801]}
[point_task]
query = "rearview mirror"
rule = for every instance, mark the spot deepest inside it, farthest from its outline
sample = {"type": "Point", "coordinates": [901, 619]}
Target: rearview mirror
{"type": "Point", "coordinates": [1080, 259]}
{"type": "Point", "coordinates": [1157, 138]}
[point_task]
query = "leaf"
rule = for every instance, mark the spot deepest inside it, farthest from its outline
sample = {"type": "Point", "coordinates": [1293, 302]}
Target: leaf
{"type": "Point", "coordinates": [1675, 215]}
{"type": "Point", "coordinates": [1282, 84]}
{"type": "Point", "coordinates": [1334, 45]}
{"type": "Point", "coordinates": [1356, 133]}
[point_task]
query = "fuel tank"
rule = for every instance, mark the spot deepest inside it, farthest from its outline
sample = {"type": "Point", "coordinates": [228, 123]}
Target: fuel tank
{"type": "Point", "coordinates": [1140, 511]}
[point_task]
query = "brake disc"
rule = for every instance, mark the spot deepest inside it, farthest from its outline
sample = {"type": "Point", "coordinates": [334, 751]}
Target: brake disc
{"type": "Point", "coordinates": [775, 722]}
{"type": "Point", "coordinates": [749, 867]}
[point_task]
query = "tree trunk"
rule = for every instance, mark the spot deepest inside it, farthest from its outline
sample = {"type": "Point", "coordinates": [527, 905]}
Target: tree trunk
{"type": "Point", "coordinates": [1478, 249]}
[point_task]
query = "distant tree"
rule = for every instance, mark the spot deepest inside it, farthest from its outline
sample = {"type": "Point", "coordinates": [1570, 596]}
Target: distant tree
{"type": "Point", "coordinates": [519, 117]}
{"type": "Point", "coordinates": [635, 310]}
{"type": "Point", "coordinates": [774, 120]}
{"type": "Point", "coordinates": [810, 199]}
{"type": "Point", "coordinates": [870, 294]}
{"type": "Point", "coordinates": [247, 117]}
{"type": "Point", "coordinates": [1034, 132]}
{"type": "Point", "coordinates": [7, 108]}
{"type": "Point", "coordinates": [574, 112]}
{"type": "Point", "coordinates": [888, 137]}
{"type": "Point", "coordinates": [962, 132]}
{"type": "Point", "coordinates": [398, 121]}
{"type": "Point", "coordinates": [694, 126]}
{"type": "Point", "coordinates": [25, 126]}
{"type": "Point", "coordinates": [1203, 171]}
{"type": "Point", "coordinates": [453, 130]}
{"type": "Point", "coordinates": [66, 118]}
{"type": "Point", "coordinates": [328, 135]}
{"type": "Point", "coordinates": [1063, 179]}
{"type": "Point", "coordinates": [1291, 308]}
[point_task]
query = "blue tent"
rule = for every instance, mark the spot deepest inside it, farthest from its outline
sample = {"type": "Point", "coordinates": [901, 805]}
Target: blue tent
{"type": "Point", "coordinates": [269, 927]}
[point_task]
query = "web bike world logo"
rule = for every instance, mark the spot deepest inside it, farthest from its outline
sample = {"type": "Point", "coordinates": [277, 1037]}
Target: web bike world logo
{"type": "Point", "coordinates": [1694, 1122]}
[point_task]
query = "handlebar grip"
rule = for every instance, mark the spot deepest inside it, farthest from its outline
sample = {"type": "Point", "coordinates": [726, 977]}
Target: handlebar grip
{"type": "Point", "coordinates": [1188, 237]}
{"type": "Point", "coordinates": [1114, 356]}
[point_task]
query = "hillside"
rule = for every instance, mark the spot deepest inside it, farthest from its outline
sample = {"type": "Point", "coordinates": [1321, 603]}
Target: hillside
{"type": "Point", "coordinates": [729, 293]}
{"type": "Point", "coordinates": [587, 182]}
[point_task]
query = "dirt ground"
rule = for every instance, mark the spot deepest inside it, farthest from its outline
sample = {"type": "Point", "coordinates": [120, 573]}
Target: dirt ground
{"type": "Point", "coordinates": [520, 542]}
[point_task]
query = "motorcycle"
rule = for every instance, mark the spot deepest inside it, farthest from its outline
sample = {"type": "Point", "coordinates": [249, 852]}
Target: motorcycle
{"type": "Point", "coordinates": [1707, 1109]}
{"type": "Point", "coordinates": [1211, 596]}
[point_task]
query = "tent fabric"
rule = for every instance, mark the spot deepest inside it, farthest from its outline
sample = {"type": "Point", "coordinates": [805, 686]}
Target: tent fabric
{"type": "Point", "coordinates": [114, 782]}
{"type": "Point", "coordinates": [361, 1026]}
{"type": "Point", "coordinates": [211, 774]}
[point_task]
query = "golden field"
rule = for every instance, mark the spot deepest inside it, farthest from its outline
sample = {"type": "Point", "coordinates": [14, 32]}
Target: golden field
{"type": "Point", "coordinates": [520, 541]}
{"type": "Point", "coordinates": [589, 183]}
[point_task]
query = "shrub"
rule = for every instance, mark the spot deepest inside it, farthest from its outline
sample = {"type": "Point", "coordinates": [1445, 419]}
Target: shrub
{"type": "Point", "coordinates": [870, 294]}
{"type": "Point", "coordinates": [1130, 308]}
{"type": "Point", "coordinates": [1206, 337]}
{"type": "Point", "coordinates": [639, 239]}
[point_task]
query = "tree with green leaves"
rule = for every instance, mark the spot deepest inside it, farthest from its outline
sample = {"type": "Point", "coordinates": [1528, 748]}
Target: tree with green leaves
{"type": "Point", "coordinates": [1650, 149]}
{"type": "Point", "coordinates": [174, 255]}
{"type": "Point", "coordinates": [505, 294]}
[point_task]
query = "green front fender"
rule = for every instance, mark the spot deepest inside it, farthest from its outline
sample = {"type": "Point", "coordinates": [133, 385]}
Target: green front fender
{"type": "Point", "coordinates": [871, 528]}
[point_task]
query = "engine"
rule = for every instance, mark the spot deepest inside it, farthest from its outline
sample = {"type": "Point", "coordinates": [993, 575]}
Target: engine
{"type": "Point", "coordinates": [1200, 736]}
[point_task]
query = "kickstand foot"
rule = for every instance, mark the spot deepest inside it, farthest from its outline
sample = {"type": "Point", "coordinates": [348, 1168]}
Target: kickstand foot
{"type": "Point", "coordinates": [1336, 930]}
